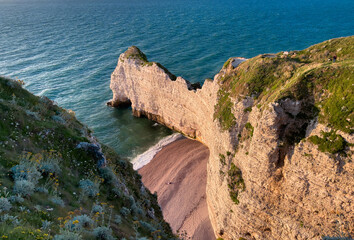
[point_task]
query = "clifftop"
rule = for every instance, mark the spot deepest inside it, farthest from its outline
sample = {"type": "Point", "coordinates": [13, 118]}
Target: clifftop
{"type": "Point", "coordinates": [134, 53]}
{"type": "Point", "coordinates": [58, 182]}
{"type": "Point", "coordinates": [311, 75]}
{"type": "Point", "coordinates": [279, 130]}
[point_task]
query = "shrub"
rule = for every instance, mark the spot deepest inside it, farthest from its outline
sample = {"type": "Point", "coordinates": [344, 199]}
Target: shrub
{"type": "Point", "coordinates": [67, 235]}
{"type": "Point", "coordinates": [89, 188]}
{"type": "Point", "coordinates": [25, 171]}
{"type": "Point", "coordinates": [23, 188]}
{"type": "Point", "coordinates": [147, 203]}
{"type": "Point", "coordinates": [71, 226]}
{"type": "Point", "coordinates": [330, 142]}
{"type": "Point", "coordinates": [124, 211]}
{"type": "Point", "coordinates": [50, 165]}
{"type": "Point", "coordinates": [58, 119]}
{"type": "Point", "coordinates": [222, 159]}
{"type": "Point", "coordinates": [5, 205]}
{"type": "Point", "coordinates": [79, 222]}
{"type": "Point", "coordinates": [249, 109]}
{"type": "Point", "coordinates": [97, 208]}
{"type": "Point", "coordinates": [103, 233]}
{"type": "Point", "coordinates": [16, 199]}
{"type": "Point", "coordinates": [118, 193]}
{"type": "Point", "coordinates": [46, 224]}
{"type": "Point", "coordinates": [84, 221]}
{"type": "Point", "coordinates": [57, 200]}
{"type": "Point", "coordinates": [235, 182]}
{"type": "Point", "coordinates": [117, 219]}
{"type": "Point", "coordinates": [250, 128]}
{"type": "Point", "coordinates": [8, 219]}
{"type": "Point", "coordinates": [123, 164]}
{"type": "Point", "coordinates": [136, 210]}
{"type": "Point", "coordinates": [108, 175]}
{"type": "Point", "coordinates": [147, 226]}
{"type": "Point", "coordinates": [42, 190]}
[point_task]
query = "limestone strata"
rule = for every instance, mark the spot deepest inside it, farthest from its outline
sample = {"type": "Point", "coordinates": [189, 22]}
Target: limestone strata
{"type": "Point", "coordinates": [291, 193]}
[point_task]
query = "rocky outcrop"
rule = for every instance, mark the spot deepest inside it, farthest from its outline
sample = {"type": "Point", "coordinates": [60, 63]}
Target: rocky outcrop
{"type": "Point", "coordinates": [291, 190]}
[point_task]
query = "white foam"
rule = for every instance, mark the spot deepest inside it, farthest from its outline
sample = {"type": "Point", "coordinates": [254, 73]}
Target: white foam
{"type": "Point", "coordinates": [144, 158]}
{"type": "Point", "coordinates": [43, 92]}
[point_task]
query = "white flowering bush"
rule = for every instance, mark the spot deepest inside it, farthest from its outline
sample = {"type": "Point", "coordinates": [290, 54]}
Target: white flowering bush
{"type": "Point", "coordinates": [84, 221]}
{"type": "Point", "coordinates": [46, 224]}
{"type": "Point", "coordinates": [57, 200]}
{"type": "Point", "coordinates": [117, 219]}
{"type": "Point", "coordinates": [26, 170]}
{"type": "Point", "coordinates": [50, 165]}
{"type": "Point", "coordinates": [89, 188]}
{"type": "Point", "coordinates": [108, 175]}
{"type": "Point", "coordinates": [11, 220]}
{"type": "Point", "coordinates": [5, 205]}
{"type": "Point", "coordinates": [67, 235]}
{"type": "Point", "coordinates": [97, 209]}
{"type": "Point", "coordinates": [16, 199]}
{"type": "Point", "coordinates": [103, 233]}
{"type": "Point", "coordinates": [124, 211]}
{"type": "Point", "coordinates": [23, 188]}
{"type": "Point", "coordinates": [42, 190]}
{"type": "Point", "coordinates": [147, 226]}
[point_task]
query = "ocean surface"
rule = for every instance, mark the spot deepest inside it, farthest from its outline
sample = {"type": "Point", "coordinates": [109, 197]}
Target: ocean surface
{"type": "Point", "coordinates": [67, 49]}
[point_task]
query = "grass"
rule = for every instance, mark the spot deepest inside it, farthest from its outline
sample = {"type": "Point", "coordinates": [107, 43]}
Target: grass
{"type": "Point", "coordinates": [250, 129]}
{"type": "Point", "coordinates": [35, 130]}
{"type": "Point", "coordinates": [226, 64]}
{"type": "Point", "coordinates": [134, 53]}
{"type": "Point", "coordinates": [222, 159]}
{"type": "Point", "coordinates": [235, 183]}
{"type": "Point", "coordinates": [329, 142]}
{"type": "Point", "coordinates": [223, 111]}
{"type": "Point", "coordinates": [248, 109]}
{"type": "Point", "coordinates": [309, 76]}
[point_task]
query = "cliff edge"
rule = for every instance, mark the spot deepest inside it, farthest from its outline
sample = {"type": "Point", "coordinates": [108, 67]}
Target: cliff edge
{"type": "Point", "coordinates": [279, 128]}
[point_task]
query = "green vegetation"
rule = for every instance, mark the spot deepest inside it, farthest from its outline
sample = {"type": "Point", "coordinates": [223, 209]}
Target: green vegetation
{"type": "Point", "coordinates": [226, 64]}
{"type": "Point", "coordinates": [222, 159]}
{"type": "Point", "coordinates": [309, 75]}
{"type": "Point", "coordinates": [249, 109]}
{"type": "Point", "coordinates": [235, 183]}
{"type": "Point", "coordinates": [54, 182]}
{"type": "Point", "coordinates": [134, 53]}
{"type": "Point", "coordinates": [329, 142]}
{"type": "Point", "coordinates": [223, 110]}
{"type": "Point", "coordinates": [246, 133]}
{"type": "Point", "coordinates": [250, 129]}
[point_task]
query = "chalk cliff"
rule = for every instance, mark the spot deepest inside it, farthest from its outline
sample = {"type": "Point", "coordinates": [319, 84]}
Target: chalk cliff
{"type": "Point", "coordinates": [279, 129]}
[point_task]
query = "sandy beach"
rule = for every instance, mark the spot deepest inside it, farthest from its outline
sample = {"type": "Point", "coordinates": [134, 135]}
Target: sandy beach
{"type": "Point", "coordinates": [178, 174]}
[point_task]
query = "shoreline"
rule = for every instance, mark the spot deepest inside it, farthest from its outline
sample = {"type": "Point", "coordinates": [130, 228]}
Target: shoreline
{"type": "Point", "coordinates": [144, 158]}
{"type": "Point", "coordinates": [178, 173]}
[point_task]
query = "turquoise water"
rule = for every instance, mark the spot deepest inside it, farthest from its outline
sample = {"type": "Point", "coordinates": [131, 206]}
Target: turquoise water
{"type": "Point", "coordinates": [67, 49]}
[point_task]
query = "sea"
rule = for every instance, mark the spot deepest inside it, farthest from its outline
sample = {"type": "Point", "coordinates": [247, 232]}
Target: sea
{"type": "Point", "coordinates": [67, 49]}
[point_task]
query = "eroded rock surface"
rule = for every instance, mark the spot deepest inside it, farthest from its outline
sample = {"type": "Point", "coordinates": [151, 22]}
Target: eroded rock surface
{"type": "Point", "coordinates": [291, 191]}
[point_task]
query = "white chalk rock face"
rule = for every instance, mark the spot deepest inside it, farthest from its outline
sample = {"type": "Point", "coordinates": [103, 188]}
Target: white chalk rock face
{"type": "Point", "coordinates": [296, 192]}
